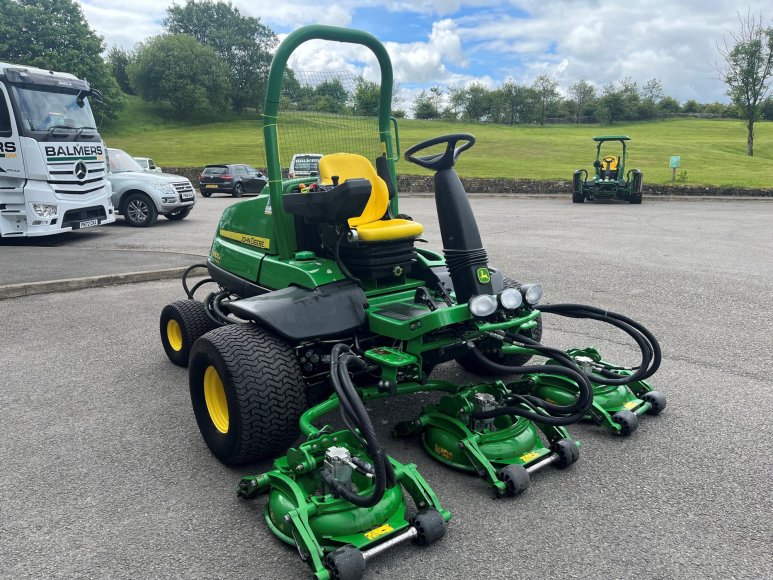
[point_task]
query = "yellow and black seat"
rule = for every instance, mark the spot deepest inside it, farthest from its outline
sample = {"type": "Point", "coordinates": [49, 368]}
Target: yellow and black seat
{"type": "Point", "coordinates": [374, 223]}
{"type": "Point", "coordinates": [609, 167]}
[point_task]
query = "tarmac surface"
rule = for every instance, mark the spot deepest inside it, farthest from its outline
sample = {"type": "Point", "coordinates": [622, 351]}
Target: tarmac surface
{"type": "Point", "coordinates": [103, 473]}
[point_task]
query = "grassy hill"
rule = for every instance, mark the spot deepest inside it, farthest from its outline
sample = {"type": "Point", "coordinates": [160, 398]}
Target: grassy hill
{"type": "Point", "coordinates": [712, 151]}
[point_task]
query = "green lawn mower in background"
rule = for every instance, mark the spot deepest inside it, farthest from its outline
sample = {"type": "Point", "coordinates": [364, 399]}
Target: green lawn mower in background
{"type": "Point", "coordinates": [324, 302]}
{"type": "Point", "coordinates": [610, 179]}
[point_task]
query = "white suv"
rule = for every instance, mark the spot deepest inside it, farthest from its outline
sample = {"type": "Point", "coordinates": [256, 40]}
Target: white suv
{"type": "Point", "coordinates": [141, 196]}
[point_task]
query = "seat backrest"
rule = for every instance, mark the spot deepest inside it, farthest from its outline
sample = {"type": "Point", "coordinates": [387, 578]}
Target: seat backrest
{"type": "Point", "coordinates": [610, 162]}
{"type": "Point", "coordinates": [351, 166]}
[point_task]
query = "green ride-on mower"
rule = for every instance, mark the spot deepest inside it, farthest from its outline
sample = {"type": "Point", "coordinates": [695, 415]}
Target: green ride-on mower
{"type": "Point", "coordinates": [324, 302]}
{"type": "Point", "coordinates": [610, 179]}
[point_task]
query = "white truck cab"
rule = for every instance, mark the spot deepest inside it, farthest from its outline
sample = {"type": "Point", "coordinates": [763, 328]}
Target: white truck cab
{"type": "Point", "coordinates": [52, 158]}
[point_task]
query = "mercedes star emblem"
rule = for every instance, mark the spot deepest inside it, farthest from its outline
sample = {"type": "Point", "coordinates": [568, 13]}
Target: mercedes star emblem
{"type": "Point", "coordinates": [80, 170]}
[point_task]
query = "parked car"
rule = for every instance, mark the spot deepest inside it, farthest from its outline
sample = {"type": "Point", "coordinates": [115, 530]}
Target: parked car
{"type": "Point", "coordinates": [236, 179]}
{"type": "Point", "coordinates": [147, 164]}
{"type": "Point", "coordinates": [304, 165]}
{"type": "Point", "coordinates": [141, 196]}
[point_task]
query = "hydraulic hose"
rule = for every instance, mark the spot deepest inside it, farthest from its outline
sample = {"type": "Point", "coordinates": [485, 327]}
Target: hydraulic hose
{"type": "Point", "coordinates": [357, 419]}
{"type": "Point", "coordinates": [650, 348]}
{"type": "Point", "coordinates": [558, 414]}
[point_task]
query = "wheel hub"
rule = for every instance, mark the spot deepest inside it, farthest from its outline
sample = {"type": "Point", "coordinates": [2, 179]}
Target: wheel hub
{"type": "Point", "coordinates": [174, 335]}
{"type": "Point", "coordinates": [215, 399]}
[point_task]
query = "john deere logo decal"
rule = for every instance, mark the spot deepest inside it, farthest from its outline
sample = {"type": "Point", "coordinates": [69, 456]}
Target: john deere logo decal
{"type": "Point", "coordinates": [483, 276]}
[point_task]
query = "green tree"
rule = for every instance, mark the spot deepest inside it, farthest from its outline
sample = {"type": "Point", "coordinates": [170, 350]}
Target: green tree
{"type": "Point", "coordinates": [691, 106]}
{"type": "Point", "coordinates": [178, 69]}
{"type": "Point", "coordinates": [514, 103]}
{"type": "Point", "coordinates": [611, 107]}
{"type": "Point", "coordinates": [330, 97]}
{"type": "Point", "coordinates": [243, 42]}
{"type": "Point", "coordinates": [629, 92]}
{"type": "Point", "coordinates": [546, 88]}
{"type": "Point", "coordinates": [118, 60]}
{"type": "Point", "coordinates": [54, 35]}
{"type": "Point", "coordinates": [367, 95]}
{"type": "Point", "coordinates": [746, 69]}
{"type": "Point", "coordinates": [427, 105]}
{"type": "Point", "coordinates": [669, 106]}
{"type": "Point", "coordinates": [478, 103]}
{"type": "Point", "coordinates": [581, 97]}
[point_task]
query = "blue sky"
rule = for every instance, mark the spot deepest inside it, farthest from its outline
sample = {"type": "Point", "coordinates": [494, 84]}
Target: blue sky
{"type": "Point", "coordinates": [457, 42]}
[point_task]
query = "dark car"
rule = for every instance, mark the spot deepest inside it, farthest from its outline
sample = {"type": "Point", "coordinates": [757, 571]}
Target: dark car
{"type": "Point", "coordinates": [235, 179]}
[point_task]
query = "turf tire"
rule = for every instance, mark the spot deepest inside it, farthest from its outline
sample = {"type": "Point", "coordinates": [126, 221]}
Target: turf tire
{"type": "Point", "coordinates": [264, 390]}
{"type": "Point", "coordinates": [192, 322]}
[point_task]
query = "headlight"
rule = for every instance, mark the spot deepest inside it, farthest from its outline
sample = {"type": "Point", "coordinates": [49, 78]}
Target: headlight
{"type": "Point", "coordinates": [162, 187]}
{"type": "Point", "coordinates": [483, 305]}
{"type": "Point", "coordinates": [532, 293]}
{"type": "Point", "coordinates": [510, 298]}
{"type": "Point", "coordinates": [44, 210]}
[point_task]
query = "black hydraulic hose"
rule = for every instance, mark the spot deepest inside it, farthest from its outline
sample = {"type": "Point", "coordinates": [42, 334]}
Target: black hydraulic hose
{"type": "Point", "coordinates": [357, 419]}
{"type": "Point", "coordinates": [651, 353]}
{"type": "Point", "coordinates": [186, 273]}
{"type": "Point", "coordinates": [560, 414]}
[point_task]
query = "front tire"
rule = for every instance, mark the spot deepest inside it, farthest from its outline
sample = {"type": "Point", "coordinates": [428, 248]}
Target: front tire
{"type": "Point", "coordinates": [247, 392]}
{"type": "Point", "coordinates": [139, 210]}
{"type": "Point", "coordinates": [470, 363]}
{"type": "Point", "coordinates": [179, 214]}
{"type": "Point", "coordinates": [182, 323]}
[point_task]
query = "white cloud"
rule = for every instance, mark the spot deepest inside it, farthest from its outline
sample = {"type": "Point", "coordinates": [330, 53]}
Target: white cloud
{"type": "Point", "coordinates": [599, 40]}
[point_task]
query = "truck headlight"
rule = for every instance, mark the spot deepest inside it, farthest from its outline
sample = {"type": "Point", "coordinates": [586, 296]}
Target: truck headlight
{"type": "Point", "coordinates": [162, 187]}
{"type": "Point", "coordinates": [510, 298]}
{"type": "Point", "coordinates": [483, 305]}
{"type": "Point", "coordinates": [532, 293]}
{"type": "Point", "coordinates": [44, 210]}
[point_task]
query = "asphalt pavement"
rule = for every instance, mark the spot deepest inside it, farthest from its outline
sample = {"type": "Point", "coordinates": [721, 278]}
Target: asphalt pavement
{"type": "Point", "coordinates": [103, 473]}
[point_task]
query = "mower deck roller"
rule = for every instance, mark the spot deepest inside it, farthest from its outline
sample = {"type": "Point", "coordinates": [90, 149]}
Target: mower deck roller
{"type": "Point", "coordinates": [322, 289]}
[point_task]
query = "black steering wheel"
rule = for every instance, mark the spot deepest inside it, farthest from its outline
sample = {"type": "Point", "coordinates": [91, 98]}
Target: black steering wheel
{"type": "Point", "coordinates": [443, 160]}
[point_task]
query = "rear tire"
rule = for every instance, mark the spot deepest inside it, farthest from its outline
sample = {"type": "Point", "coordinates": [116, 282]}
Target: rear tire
{"type": "Point", "coordinates": [247, 392]}
{"type": "Point", "coordinates": [179, 214]}
{"type": "Point", "coordinates": [238, 190]}
{"type": "Point", "coordinates": [578, 197]}
{"type": "Point", "coordinates": [470, 363]}
{"type": "Point", "coordinates": [206, 193]}
{"type": "Point", "coordinates": [182, 323]}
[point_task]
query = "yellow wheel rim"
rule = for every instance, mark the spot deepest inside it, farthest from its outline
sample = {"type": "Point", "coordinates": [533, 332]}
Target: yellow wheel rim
{"type": "Point", "coordinates": [214, 396]}
{"type": "Point", "coordinates": [174, 335]}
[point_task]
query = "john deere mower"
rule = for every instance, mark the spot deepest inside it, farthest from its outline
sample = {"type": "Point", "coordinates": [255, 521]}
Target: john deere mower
{"type": "Point", "coordinates": [610, 179]}
{"type": "Point", "coordinates": [324, 302]}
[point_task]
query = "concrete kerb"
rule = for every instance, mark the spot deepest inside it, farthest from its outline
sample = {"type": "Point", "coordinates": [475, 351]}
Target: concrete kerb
{"type": "Point", "coordinates": [69, 284]}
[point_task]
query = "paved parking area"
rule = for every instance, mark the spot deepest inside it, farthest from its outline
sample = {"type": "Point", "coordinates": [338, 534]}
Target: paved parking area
{"type": "Point", "coordinates": [103, 473]}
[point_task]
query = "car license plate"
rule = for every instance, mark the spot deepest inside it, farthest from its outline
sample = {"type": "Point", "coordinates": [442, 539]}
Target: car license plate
{"type": "Point", "coordinates": [88, 223]}
{"type": "Point", "coordinates": [211, 186]}
{"type": "Point", "coordinates": [187, 195]}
